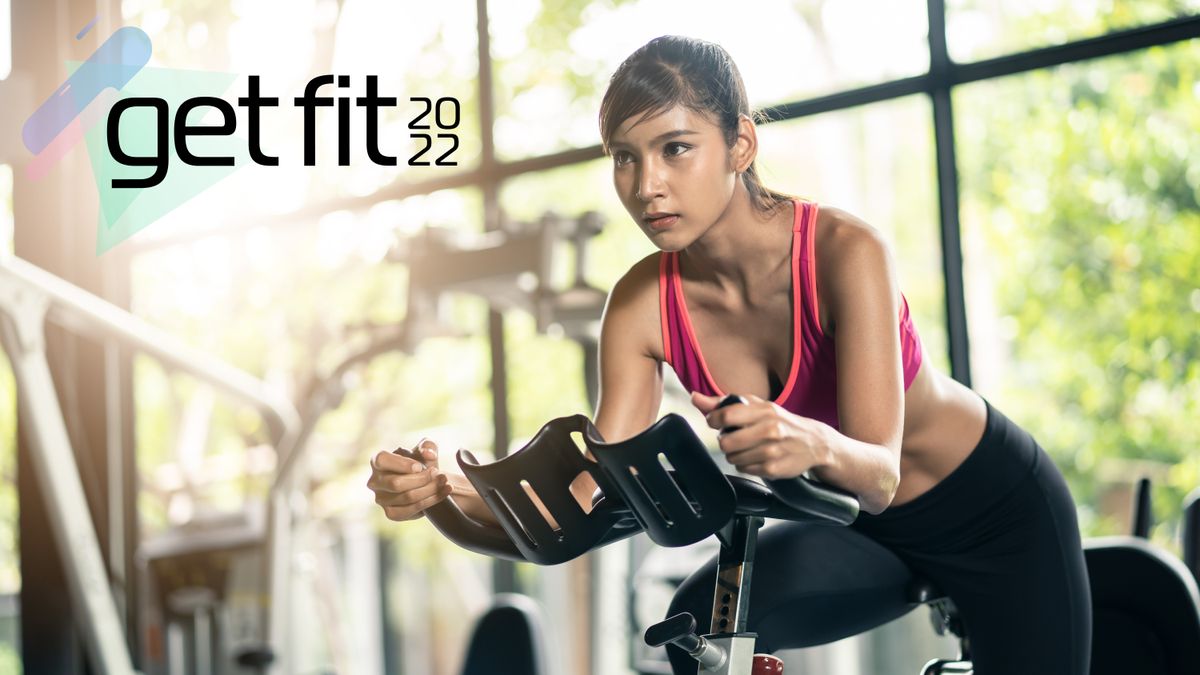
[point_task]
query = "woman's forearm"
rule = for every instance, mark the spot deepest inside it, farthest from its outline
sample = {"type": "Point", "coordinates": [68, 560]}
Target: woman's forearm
{"type": "Point", "coordinates": [468, 500]}
{"type": "Point", "coordinates": [867, 469]}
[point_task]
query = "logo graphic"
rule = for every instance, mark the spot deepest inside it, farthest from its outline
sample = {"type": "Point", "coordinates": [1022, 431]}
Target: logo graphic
{"type": "Point", "coordinates": [151, 154]}
{"type": "Point", "coordinates": [114, 73]}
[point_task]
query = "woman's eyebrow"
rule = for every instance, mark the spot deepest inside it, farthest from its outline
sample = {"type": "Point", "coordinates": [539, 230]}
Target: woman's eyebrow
{"type": "Point", "coordinates": [658, 139]}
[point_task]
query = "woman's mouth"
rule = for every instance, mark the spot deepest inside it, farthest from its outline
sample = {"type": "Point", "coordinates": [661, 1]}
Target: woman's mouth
{"type": "Point", "coordinates": [661, 221]}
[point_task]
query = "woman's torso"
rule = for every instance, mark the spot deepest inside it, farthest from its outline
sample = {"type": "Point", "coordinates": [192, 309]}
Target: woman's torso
{"type": "Point", "coordinates": [742, 351]}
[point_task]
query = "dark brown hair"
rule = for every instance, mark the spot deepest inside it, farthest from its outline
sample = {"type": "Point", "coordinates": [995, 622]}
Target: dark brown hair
{"type": "Point", "coordinates": [699, 75]}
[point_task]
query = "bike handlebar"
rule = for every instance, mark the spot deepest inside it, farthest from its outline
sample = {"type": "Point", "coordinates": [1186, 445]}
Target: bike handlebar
{"type": "Point", "coordinates": [662, 481]}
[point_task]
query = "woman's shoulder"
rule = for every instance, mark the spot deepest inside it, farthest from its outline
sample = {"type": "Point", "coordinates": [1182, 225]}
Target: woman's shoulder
{"type": "Point", "coordinates": [839, 230]}
{"type": "Point", "coordinates": [632, 306]}
{"type": "Point", "coordinates": [844, 247]}
{"type": "Point", "coordinates": [640, 280]}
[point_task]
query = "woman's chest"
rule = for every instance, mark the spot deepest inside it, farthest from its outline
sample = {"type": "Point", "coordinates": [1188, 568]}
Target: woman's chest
{"type": "Point", "coordinates": [748, 350]}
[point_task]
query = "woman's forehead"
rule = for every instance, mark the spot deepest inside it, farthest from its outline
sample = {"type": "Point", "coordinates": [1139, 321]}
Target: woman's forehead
{"type": "Point", "coordinates": [648, 126]}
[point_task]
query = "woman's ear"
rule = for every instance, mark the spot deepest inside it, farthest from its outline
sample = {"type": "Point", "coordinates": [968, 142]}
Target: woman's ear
{"type": "Point", "coordinates": [745, 146]}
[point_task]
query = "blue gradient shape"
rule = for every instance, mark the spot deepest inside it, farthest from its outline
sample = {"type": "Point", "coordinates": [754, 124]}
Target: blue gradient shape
{"type": "Point", "coordinates": [113, 64]}
{"type": "Point", "coordinates": [87, 29]}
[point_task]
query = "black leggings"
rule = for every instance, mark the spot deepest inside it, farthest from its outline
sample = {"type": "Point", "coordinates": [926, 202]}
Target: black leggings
{"type": "Point", "coordinates": [999, 536]}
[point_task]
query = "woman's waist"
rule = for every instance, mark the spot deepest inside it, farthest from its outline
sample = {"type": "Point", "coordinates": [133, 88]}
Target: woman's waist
{"type": "Point", "coordinates": [942, 427]}
{"type": "Point", "coordinates": [1003, 456]}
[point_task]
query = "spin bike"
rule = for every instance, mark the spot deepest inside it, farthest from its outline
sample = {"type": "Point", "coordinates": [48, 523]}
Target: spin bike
{"type": "Point", "coordinates": [1146, 604]}
{"type": "Point", "coordinates": [662, 482]}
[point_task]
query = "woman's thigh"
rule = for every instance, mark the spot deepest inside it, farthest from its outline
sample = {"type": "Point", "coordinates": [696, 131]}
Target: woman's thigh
{"type": "Point", "coordinates": [810, 585]}
{"type": "Point", "coordinates": [999, 535]}
{"type": "Point", "coordinates": [1023, 591]}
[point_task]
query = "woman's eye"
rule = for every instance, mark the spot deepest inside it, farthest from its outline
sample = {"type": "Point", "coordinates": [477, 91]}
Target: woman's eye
{"type": "Point", "coordinates": [676, 149]}
{"type": "Point", "coordinates": [669, 150]}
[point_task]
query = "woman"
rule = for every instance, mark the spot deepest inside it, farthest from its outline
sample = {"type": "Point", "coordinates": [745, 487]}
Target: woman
{"type": "Point", "coordinates": [796, 307]}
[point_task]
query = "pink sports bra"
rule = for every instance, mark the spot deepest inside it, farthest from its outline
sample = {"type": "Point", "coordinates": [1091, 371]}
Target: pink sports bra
{"type": "Point", "coordinates": [811, 387]}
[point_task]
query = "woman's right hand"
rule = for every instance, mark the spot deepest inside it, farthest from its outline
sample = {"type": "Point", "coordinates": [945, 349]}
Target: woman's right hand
{"type": "Point", "coordinates": [404, 487]}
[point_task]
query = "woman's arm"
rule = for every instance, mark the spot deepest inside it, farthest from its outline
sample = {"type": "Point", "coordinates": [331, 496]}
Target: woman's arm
{"type": "Point", "coordinates": [861, 291]}
{"type": "Point", "coordinates": [864, 309]}
{"type": "Point", "coordinates": [630, 361]}
{"type": "Point", "coordinates": [630, 378]}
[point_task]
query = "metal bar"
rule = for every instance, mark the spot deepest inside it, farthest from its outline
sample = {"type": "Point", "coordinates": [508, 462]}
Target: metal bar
{"type": "Point", "coordinates": [853, 98]}
{"type": "Point", "coordinates": [735, 564]}
{"type": "Point", "coordinates": [504, 572]}
{"type": "Point", "coordinates": [77, 310]}
{"type": "Point", "coordinates": [278, 566]}
{"type": "Point", "coordinates": [58, 478]}
{"type": "Point", "coordinates": [115, 471]}
{"type": "Point", "coordinates": [947, 172]}
{"type": "Point", "coordinates": [1110, 44]}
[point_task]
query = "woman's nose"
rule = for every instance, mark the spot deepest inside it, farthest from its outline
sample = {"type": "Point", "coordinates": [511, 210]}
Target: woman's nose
{"type": "Point", "coordinates": [650, 184]}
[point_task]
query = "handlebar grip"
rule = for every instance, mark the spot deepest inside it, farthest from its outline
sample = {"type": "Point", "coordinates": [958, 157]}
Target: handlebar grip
{"type": "Point", "coordinates": [804, 494]}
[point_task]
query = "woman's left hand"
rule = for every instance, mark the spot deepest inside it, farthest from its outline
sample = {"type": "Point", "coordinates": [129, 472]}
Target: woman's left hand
{"type": "Point", "coordinates": [771, 442]}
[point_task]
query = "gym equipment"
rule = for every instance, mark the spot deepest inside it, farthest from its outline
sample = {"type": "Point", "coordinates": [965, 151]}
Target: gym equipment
{"type": "Point", "coordinates": [205, 576]}
{"type": "Point", "coordinates": [664, 482]}
{"type": "Point", "coordinates": [209, 570]}
{"type": "Point", "coordinates": [29, 298]}
{"type": "Point", "coordinates": [1145, 603]}
{"type": "Point", "coordinates": [511, 268]}
{"type": "Point", "coordinates": [509, 632]}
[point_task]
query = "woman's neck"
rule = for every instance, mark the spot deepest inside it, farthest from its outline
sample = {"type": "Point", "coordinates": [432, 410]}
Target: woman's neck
{"type": "Point", "coordinates": [741, 253]}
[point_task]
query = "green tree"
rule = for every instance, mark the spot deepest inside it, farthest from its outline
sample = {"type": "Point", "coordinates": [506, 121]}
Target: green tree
{"type": "Point", "coordinates": [1081, 182]}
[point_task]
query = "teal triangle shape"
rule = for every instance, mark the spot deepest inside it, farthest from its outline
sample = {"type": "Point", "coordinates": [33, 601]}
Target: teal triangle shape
{"type": "Point", "coordinates": [127, 211]}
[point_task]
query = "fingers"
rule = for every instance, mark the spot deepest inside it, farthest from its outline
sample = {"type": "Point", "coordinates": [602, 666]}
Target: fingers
{"type": "Point", "coordinates": [756, 448]}
{"type": "Point", "coordinates": [404, 486]}
{"type": "Point", "coordinates": [390, 462]}
{"type": "Point", "coordinates": [757, 455]}
{"type": "Point", "coordinates": [393, 473]}
{"type": "Point", "coordinates": [429, 452]}
{"type": "Point", "coordinates": [738, 414]}
{"type": "Point", "coordinates": [435, 483]}
{"type": "Point", "coordinates": [758, 432]}
{"type": "Point", "coordinates": [408, 504]}
{"type": "Point", "coordinates": [766, 461]}
{"type": "Point", "coordinates": [704, 403]}
{"type": "Point", "coordinates": [400, 459]}
{"type": "Point", "coordinates": [400, 513]}
{"type": "Point", "coordinates": [761, 469]}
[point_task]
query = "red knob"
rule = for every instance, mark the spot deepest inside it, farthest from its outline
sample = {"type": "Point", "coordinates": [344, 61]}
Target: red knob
{"type": "Point", "coordinates": [765, 664]}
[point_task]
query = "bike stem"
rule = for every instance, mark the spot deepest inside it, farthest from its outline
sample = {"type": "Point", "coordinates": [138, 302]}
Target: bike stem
{"type": "Point", "coordinates": [728, 649]}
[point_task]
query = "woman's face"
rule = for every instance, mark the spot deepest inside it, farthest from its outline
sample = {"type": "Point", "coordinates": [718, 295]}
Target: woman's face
{"type": "Point", "coordinates": [675, 163]}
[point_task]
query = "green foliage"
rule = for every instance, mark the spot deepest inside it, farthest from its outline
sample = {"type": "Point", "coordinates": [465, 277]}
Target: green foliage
{"type": "Point", "coordinates": [549, 34]}
{"type": "Point", "coordinates": [10, 660]}
{"type": "Point", "coordinates": [1082, 182]}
